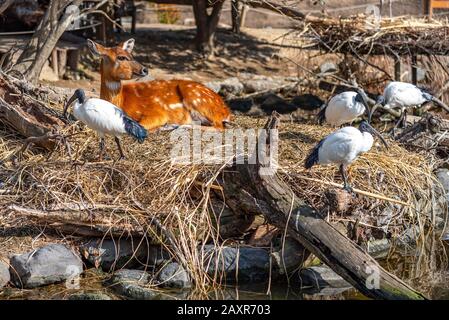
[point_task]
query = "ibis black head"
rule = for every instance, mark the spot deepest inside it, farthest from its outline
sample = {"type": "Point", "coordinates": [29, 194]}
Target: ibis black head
{"type": "Point", "coordinates": [361, 98]}
{"type": "Point", "coordinates": [80, 95]}
{"type": "Point", "coordinates": [77, 95]}
{"type": "Point", "coordinates": [366, 127]}
{"type": "Point", "coordinates": [380, 100]}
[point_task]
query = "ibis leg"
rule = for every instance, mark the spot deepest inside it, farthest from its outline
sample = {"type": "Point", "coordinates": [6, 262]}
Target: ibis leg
{"type": "Point", "coordinates": [346, 185]}
{"type": "Point", "coordinates": [398, 123]}
{"type": "Point", "coordinates": [117, 141]}
{"type": "Point", "coordinates": [404, 118]}
{"type": "Point", "coordinates": [102, 146]}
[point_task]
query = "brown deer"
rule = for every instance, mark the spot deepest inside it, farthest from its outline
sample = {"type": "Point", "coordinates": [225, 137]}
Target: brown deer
{"type": "Point", "coordinates": [155, 103]}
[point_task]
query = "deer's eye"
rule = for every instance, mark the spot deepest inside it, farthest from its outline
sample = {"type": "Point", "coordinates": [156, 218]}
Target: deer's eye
{"type": "Point", "coordinates": [122, 58]}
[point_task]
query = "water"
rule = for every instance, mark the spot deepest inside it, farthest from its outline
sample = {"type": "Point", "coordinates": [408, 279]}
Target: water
{"type": "Point", "coordinates": [424, 267]}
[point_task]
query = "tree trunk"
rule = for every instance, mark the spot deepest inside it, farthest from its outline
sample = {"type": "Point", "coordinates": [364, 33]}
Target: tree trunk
{"type": "Point", "coordinates": [236, 10]}
{"type": "Point", "coordinates": [53, 24]}
{"type": "Point", "coordinates": [206, 25]}
{"type": "Point", "coordinates": [277, 202]}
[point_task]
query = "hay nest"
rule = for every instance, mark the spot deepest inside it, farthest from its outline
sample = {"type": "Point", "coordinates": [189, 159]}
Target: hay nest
{"type": "Point", "coordinates": [361, 34]}
{"type": "Point", "coordinates": [127, 194]}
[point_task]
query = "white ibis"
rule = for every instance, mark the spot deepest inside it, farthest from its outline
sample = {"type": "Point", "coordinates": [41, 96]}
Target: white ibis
{"type": "Point", "coordinates": [342, 147]}
{"type": "Point", "coordinates": [343, 108]}
{"type": "Point", "coordinates": [403, 95]}
{"type": "Point", "coordinates": [104, 118]}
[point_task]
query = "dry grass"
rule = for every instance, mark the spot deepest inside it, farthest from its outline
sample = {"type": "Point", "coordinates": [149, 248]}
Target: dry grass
{"type": "Point", "coordinates": [145, 185]}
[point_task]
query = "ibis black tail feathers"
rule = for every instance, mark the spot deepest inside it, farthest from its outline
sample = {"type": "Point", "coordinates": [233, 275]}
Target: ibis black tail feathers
{"type": "Point", "coordinates": [134, 129]}
{"type": "Point", "coordinates": [313, 157]}
{"type": "Point", "coordinates": [321, 116]}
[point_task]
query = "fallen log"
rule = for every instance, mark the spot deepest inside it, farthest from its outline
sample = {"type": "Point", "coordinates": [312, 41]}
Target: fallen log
{"type": "Point", "coordinates": [281, 207]}
{"type": "Point", "coordinates": [77, 223]}
{"type": "Point", "coordinates": [20, 108]}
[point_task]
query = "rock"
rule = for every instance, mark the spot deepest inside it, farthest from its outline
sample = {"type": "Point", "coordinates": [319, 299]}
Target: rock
{"type": "Point", "coordinates": [4, 274]}
{"type": "Point", "coordinates": [173, 275]}
{"type": "Point", "coordinates": [307, 102]}
{"type": "Point", "coordinates": [117, 254]}
{"type": "Point", "coordinates": [132, 284]}
{"type": "Point", "coordinates": [328, 67]}
{"type": "Point", "coordinates": [262, 83]}
{"type": "Point", "coordinates": [241, 105]}
{"type": "Point", "coordinates": [274, 102]}
{"type": "Point", "coordinates": [320, 277]}
{"type": "Point", "coordinates": [52, 263]}
{"type": "Point", "coordinates": [231, 86]}
{"type": "Point", "coordinates": [89, 296]}
{"type": "Point", "coordinates": [227, 87]}
{"type": "Point", "coordinates": [289, 257]}
{"type": "Point", "coordinates": [243, 264]}
{"type": "Point", "coordinates": [378, 249]}
{"type": "Point", "coordinates": [214, 85]}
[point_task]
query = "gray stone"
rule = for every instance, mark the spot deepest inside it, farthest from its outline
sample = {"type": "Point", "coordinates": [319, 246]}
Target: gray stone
{"type": "Point", "coordinates": [133, 284]}
{"type": "Point", "coordinates": [89, 296]}
{"type": "Point", "coordinates": [117, 254]}
{"type": "Point", "coordinates": [52, 263]}
{"type": "Point", "coordinates": [289, 256]}
{"type": "Point", "coordinates": [231, 86]}
{"type": "Point", "coordinates": [242, 105]}
{"type": "Point", "coordinates": [242, 264]}
{"type": "Point", "coordinates": [4, 274]}
{"type": "Point", "coordinates": [320, 277]}
{"type": "Point", "coordinates": [307, 102]}
{"type": "Point", "coordinates": [214, 85]}
{"type": "Point", "coordinates": [378, 248]}
{"type": "Point", "coordinates": [262, 83]}
{"type": "Point", "coordinates": [328, 67]}
{"type": "Point", "coordinates": [173, 275]}
{"type": "Point", "coordinates": [274, 102]}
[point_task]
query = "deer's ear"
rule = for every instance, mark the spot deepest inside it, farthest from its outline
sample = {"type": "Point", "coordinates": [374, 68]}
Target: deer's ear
{"type": "Point", "coordinates": [128, 45]}
{"type": "Point", "coordinates": [95, 48]}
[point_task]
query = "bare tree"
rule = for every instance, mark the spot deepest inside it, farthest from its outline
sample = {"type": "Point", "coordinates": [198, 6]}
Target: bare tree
{"type": "Point", "coordinates": [55, 21]}
{"type": "Point", "coordinates": [206, 24]}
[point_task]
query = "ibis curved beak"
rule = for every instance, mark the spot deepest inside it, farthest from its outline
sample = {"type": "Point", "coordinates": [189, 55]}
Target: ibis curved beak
{"type": "Point", "coordinates": [370, 114]}
{"type": "Point", "coordinates": [69, 102]}
{"type": "Point", "coordinates": [377, 134]}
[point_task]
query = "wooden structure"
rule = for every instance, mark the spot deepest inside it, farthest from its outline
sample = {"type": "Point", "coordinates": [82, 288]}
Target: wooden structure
{"type": "Point", "coordinates": [436, 4]}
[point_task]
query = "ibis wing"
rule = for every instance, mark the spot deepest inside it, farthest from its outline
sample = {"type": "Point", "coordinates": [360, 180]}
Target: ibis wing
{"type": "Point", "coordinates": [343, 108]}
{"type": "Point", "coordinates": [402, 94]}
{"type": "Point", "coordinates": [104, 117]}
{"type": "Point", "coordinates": [340, 147]}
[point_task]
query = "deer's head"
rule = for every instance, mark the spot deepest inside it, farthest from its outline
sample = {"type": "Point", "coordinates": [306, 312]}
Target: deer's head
{"type": "Point", "coordinates": [118, 62]}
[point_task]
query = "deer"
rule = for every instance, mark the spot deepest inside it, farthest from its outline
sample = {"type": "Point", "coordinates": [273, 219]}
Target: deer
{"type": "Point", "coordinates": [155, 104]}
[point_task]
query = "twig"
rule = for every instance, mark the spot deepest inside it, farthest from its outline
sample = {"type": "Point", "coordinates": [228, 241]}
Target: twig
{"type": "Point", "coordinates": [358, 191]}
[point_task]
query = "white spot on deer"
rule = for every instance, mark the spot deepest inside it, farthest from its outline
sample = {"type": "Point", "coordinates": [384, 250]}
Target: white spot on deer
{"type": "Point", "coordinates": [175, 105]}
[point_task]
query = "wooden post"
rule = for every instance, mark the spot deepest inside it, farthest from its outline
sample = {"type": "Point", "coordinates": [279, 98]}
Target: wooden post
{"type": "Point", "coordinates": [397, 68]}
{"type": "Point", "coordinates": [62, 61]}
{"type": "Point", "coordinates": [54, 61]}
{"type": "Point", "coordinates": [243, 16]}
{"type": "Point", "coordinates": [414, 69]}
{"type": "Point", "coordinates": [73, 59]}
{"type": "Point", "coordinates": [236, 15]}
{"type": "Point", "coordinates": [283, 209]}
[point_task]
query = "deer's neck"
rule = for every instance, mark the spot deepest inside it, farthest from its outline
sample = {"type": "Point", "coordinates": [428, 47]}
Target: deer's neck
{"type": "Point", "coordinates": [110, 89]}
